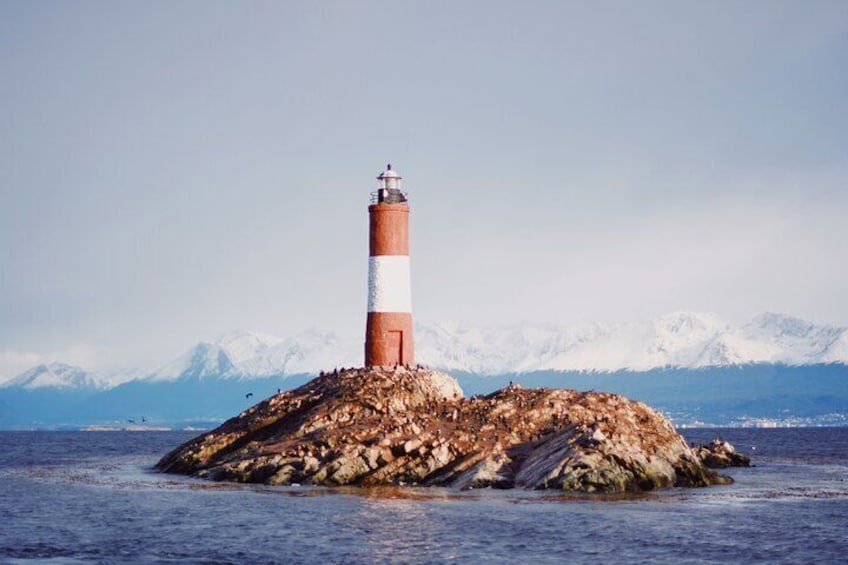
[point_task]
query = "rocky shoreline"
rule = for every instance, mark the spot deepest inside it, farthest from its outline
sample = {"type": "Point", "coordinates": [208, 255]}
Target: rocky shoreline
{"type": "Point", "coordinates": [719, 454]}
{"type": "Point", "coordinates": [412, 426]}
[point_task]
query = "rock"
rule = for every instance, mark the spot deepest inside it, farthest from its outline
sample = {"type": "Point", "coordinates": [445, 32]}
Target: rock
{"type": "Point", "coordinates": [719, 454]}
{"type": "Point", "coordinates": [383, 426]}
{"type": "Point", "coordinates": [411, 445]}
{"type": "Point", "coordinates": [495, 471]}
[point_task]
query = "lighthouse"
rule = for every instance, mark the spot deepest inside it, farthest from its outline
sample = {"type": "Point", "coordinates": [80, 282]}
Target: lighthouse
{"type": "Point", "coordinates": [388, 331]}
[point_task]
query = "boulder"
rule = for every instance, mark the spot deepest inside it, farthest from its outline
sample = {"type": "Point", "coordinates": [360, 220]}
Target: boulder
{"type": "Point", "coordinates": [720, 454]}
{"type": "Point", "coordinates": [383, 426]}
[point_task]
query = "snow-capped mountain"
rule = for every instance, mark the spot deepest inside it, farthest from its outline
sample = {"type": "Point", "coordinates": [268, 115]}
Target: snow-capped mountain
{"type": "Point", "coordinates": [56, 376]}
{"type": "Point", "coordinates": [250, 355]}
{"type": "Point", "coordinates": [789, 370]}
{"type": "Point", "coordinates": [682, 339]}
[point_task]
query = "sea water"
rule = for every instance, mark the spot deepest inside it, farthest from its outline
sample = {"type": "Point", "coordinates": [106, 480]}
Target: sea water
{"type": "Point", "coordinates": [92, 497]}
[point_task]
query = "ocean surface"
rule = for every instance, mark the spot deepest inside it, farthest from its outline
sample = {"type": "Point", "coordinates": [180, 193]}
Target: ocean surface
{"type": "Point", "coordinates": [92, 497]}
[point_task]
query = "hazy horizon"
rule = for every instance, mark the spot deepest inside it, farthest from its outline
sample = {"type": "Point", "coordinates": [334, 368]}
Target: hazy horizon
{"type": "Point", "coordinates": [171, 172]}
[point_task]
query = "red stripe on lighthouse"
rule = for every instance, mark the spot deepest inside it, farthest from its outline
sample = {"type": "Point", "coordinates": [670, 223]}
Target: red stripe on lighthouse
{"type": "Point", "coordinates": [389, 233]}
{"type": "Point", "coordinates": [388, 339]}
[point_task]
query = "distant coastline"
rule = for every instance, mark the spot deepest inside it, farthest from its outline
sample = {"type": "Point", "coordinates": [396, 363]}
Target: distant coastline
{"type": "Point", "coordinates": [763, 395]}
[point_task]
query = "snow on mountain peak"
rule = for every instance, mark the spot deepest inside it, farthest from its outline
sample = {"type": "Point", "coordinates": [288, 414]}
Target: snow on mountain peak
{"type": "Point", "coordinates": [689, 322]}
{"type": "Point", "coordinates": [243, 354]}
{"type": "Point", "coordinates": [679, 339]}
{"type": "Point", "coordinates": [240, 345]}
{"type": "Point", "coordinates": [778, 338]}
{"type": "Point", "coordinates": [55, 375]}
{"type": "Point", "coordinates": [780, 324]}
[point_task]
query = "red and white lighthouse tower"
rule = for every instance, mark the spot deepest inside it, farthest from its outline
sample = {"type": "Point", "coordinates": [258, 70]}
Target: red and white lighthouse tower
{"type": "Point", "coordinates": [388, 332]}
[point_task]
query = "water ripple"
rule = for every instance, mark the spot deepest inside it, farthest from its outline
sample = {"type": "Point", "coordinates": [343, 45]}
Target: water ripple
{"type": "Point", "coordinates": [98, 507]}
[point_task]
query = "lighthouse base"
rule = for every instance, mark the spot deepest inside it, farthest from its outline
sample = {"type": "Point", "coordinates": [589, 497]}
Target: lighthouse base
{"type": "Point", "coordinates": [388, 339]}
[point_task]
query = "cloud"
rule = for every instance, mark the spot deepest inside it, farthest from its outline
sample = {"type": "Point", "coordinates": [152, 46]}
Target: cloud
{"type": "Point", "coordinates": [13, 363]}
{"type": "Point", "coordinates": [86, 356]}
{"type": "Point", "coordinates": [564, 161]}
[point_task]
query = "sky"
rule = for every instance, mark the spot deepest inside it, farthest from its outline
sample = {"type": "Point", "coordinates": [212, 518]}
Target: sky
{"type": "Point", "coordinates": [171, 171]}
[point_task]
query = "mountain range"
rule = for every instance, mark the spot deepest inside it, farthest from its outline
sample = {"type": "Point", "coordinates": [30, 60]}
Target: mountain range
{"type": "Point", "coordinates": [681, 340]}
{"type": "Point", "coordinates": [482, 358]}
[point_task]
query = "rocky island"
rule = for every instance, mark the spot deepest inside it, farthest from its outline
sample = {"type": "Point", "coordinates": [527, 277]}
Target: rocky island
{"type": "Point", "coordinates": [412, 426]}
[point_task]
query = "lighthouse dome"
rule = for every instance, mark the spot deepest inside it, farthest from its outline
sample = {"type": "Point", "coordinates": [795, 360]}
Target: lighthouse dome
{"type": "Point", "coordinates": [388, 173]}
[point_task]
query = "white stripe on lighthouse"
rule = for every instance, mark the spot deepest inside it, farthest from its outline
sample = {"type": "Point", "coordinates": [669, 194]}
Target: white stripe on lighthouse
{"type": "Point", "coordinates": [388, 284]}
